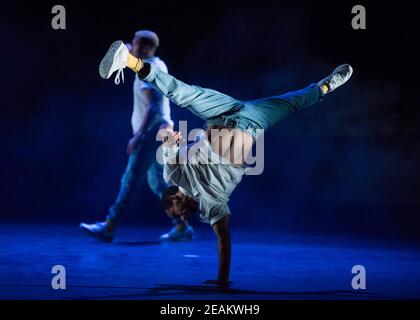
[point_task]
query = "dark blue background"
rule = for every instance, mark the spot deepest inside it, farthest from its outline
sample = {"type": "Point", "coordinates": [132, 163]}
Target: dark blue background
{"type": "Point", "coordinates": [349, 165]}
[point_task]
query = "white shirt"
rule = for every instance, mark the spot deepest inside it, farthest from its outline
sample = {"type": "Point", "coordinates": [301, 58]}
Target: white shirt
{"type": "Point", "coordinates": [206, 177]}
{"type": "Point", "coordinates": [159, 104]}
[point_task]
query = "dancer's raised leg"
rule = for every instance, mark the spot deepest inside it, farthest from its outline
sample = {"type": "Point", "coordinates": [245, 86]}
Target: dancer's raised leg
{"type": "Point", "coordinates": [268, 111]}
{"type": "Point", "coordinates": [205, 103]}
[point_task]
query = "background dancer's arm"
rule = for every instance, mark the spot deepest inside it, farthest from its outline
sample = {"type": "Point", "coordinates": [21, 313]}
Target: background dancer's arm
{"type": "Point", "coordinates": [132, 143]}
{"type": "Point", "coordinates": [174, 160]}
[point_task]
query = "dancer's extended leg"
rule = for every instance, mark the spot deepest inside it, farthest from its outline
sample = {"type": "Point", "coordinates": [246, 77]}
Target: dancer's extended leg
{"type": "Point", "coordinates": [205, 103]}
{"type": "Point", "coordinates": [210, 105]}
{"type": "Point", "coordinates": [268, 111]}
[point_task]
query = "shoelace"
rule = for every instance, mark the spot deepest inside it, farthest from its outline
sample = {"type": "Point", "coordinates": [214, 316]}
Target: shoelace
{"type": "Point", "coordinates": [120, 72]}
{"type": "Point", "coordinates": [336, 78]}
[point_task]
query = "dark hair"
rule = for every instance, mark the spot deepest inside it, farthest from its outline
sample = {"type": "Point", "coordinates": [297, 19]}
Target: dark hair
{"type": "Point", "coordinates": [149, 35]}
{"type": "Point", "coordinates": [166, 203]}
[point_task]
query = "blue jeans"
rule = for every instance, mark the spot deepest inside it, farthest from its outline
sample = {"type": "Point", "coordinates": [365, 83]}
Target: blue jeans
{"type": "Point", "coordinates": [141, 164]}
{"type": "Point", "coordinates": [252, 116]}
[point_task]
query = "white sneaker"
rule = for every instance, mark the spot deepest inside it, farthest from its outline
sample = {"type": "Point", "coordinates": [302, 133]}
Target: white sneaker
{"type": "Point", "coordinates": [115, 60]}
{"type": "Point", "coordinates": [175, 235]}
{"type": "Point", "coordinates": [99, 231]}
{"type": "Point", "coordinates": [337, 78]}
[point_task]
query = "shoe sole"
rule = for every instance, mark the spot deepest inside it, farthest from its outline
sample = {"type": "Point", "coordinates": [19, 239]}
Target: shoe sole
{"type": "Point", "coordinates": [344, 66]}
{"type": "Point", "coordinates": [96, 236]}
{"type": "Point", "coordinates": [108, 59]}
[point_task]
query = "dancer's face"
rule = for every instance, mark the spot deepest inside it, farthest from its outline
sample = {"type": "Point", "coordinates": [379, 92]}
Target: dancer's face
{"type": "Point", "coordinates": [183, 207]}
{"type": "Point", "coordinates": [142, 48]}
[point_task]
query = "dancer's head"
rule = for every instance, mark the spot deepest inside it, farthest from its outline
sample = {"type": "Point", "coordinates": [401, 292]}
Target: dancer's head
{"type": "Point", "coordinates": [144, 44]}
{"type": "Point", "coordinates": [178, 205]}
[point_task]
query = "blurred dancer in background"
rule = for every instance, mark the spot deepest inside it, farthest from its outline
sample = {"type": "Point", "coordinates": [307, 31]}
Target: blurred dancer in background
{"type": "Point", "coordinates": [151, 112]}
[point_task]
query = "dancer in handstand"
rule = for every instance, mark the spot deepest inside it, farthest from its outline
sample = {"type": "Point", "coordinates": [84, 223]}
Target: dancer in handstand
{"type": "Point", "coordinates": [204, 179]}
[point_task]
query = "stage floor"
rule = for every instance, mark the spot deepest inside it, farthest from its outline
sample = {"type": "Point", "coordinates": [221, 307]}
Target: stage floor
{"type": "Point", "coordinates": [137, 266]}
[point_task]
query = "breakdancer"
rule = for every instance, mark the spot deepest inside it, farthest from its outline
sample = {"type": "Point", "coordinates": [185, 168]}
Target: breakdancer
{"type": "Point", "coordinates": [151, 111]}
{"type": "Point", "coordinates": [205, 181]}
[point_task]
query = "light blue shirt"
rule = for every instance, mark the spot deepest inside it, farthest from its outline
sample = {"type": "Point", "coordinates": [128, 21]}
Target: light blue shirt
{"type": "Point", "coordinates": [204, 176]}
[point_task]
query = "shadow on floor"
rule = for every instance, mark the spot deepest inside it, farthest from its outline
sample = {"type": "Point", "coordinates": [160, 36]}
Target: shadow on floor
{"type": "Point", "coordinates": [137, 243]}
{"type": "Point", "coordinates": [177, 291]}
